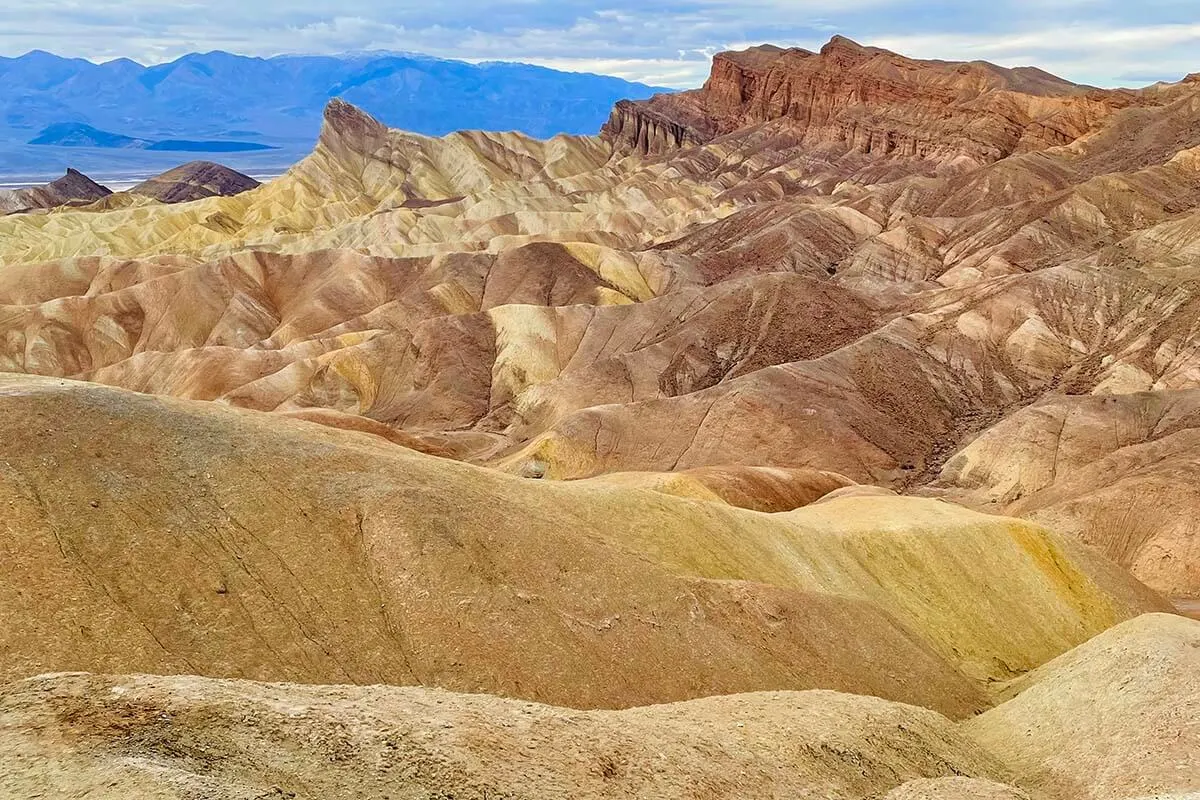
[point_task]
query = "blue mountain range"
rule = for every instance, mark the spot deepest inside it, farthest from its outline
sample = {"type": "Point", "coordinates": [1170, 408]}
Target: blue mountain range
{"type": "Point", "coordinates": [78, 111]}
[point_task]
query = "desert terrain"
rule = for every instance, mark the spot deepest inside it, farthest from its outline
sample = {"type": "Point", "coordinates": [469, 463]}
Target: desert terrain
{"type": "Point", "coordinates": [830, 431]}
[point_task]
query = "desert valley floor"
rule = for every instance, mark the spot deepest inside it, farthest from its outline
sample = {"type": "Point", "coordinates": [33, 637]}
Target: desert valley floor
{"type": "Point", "coordinates": [832, 431]}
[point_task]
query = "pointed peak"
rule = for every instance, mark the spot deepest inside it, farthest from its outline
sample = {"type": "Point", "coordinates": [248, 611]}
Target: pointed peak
{"type": "Point", "coordinates": [351, 125]}
{"type": "Point", "coordinates": [843, 44]}
{"type": "Point", "coordinates": [343, 116]}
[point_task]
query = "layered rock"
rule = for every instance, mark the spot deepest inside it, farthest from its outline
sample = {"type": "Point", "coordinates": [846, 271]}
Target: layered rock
{"type": "Point", "coordinates": [74, 187]}
{"type": "Point", "coordinates": [194, 181]}
{"type": "Point", "coordinates": [863, 99]}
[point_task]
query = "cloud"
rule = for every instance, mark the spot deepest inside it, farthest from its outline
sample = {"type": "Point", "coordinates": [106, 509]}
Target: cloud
{"type": "Point", "coordinates": [666, 42]}
{"type": "Point", "coordinates": [1082, 51]}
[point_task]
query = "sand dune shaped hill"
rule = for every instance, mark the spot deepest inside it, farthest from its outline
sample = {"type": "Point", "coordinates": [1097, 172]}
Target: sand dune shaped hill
{"type": "Point", "coordinates": [187, 736]}
{"type": "Point", "coordinates": [202, 548]}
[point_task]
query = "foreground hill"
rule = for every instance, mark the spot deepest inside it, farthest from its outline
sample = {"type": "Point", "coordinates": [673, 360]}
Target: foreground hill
{"type": "Point", "coordinates": [237, 544]}
{"type": "Point", "coordinates": [1078, 732]}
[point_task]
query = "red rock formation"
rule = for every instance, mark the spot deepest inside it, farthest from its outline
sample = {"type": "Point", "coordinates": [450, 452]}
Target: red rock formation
{"type": "Point", "coordinates": [864, 99]}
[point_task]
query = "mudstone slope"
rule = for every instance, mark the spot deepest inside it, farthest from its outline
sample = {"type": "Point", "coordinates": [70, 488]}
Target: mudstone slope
{"type": "Point", "coordinates": [826, 431]}
{"type": "Point", "coordinates": [73, 187]}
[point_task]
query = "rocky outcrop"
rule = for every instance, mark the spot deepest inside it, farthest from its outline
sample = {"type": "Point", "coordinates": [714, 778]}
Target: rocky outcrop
{"type": "Point", "coordinates": [868, 100]}
{"type": "Point", "coordinates": [194, 181]}
{"type": "Point", "coordinates": [643, 129]}
{"type": "Point", "coordinates": [74, 187]}
{"type": "Point", "coordinates": [349, 125]}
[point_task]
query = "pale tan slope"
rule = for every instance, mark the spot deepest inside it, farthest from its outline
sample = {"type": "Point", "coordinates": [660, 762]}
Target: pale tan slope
{"type": "Point", "coordinates": [1117, 471]}
{"type": "Point", "coordinates": [956, 788]}
{"type": "Point", "coordinates": [175, 537]}
{"type": "Point", "coordinates": [171, 536]}
{"type": "Point", "coordinates": [393, 193]}
{"type": "Point", "coordinates": [1117, 717]}
{"type": "Point", "coordinates": [765, 489]}
{"type": "Point", "coordinates": [114, 737]}
{"type": "Point", "coordinates": [1113, 719]}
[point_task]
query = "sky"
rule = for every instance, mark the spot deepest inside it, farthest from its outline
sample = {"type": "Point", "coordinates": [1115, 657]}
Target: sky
{"type": "Point", "coordinates": [661, 42]}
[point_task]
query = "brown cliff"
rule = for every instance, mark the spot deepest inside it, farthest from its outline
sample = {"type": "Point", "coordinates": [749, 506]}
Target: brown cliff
{"type": "Point", "coordinates": [851, 98]}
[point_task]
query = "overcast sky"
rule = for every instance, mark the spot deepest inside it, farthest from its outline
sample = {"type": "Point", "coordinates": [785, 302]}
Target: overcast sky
{"type": "Point", "coordinates": [667, 42]}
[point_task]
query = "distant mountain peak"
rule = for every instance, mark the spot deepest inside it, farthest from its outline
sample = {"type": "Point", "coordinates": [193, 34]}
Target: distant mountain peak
{"type": "Point", "coordinates": [221, 102]}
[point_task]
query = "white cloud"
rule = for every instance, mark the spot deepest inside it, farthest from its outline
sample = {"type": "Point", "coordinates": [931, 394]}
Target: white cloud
{"type": "Point", "coordinates": [1099, 41]}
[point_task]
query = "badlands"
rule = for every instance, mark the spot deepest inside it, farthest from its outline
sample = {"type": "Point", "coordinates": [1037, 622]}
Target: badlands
{"type": "Point", "coordinates": [831, 431]}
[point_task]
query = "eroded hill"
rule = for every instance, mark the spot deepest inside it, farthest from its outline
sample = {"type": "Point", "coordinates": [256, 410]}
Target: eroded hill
{"type": "Point", "coordinates": [698, 406]}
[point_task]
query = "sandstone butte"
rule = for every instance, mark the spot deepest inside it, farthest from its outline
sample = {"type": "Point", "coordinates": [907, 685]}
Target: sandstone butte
{"type": "Point", "coordinates": [826, 432]}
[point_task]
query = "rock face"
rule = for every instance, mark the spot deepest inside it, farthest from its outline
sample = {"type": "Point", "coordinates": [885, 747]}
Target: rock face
{"type": "Point", "coordinates": [72, 187]}
{"type": "Point", "coordinates": [868, 100]}
{"type": "Point", "coordinates": [194, 181]}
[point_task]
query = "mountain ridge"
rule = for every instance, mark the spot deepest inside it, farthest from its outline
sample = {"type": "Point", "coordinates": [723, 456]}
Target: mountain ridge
{"type": "Point", "coordinates": [210, 96]}
{"type": "Point", "coordinates": [815, 93]}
